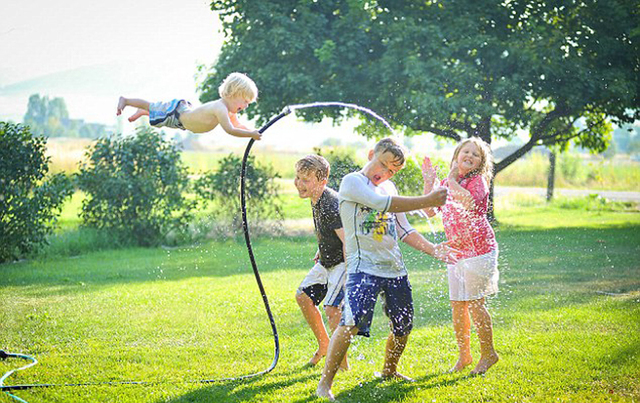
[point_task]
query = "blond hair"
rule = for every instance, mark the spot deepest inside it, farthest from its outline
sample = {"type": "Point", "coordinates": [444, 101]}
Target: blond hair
{"type": "Point", "coordinates": [316, 164]}
{"type": "Point", "coordinates": [390, 145]}
{"type": "Point", "coordinates": [486, 164]}
{"type": "Point", "coordinates": [238, 84]}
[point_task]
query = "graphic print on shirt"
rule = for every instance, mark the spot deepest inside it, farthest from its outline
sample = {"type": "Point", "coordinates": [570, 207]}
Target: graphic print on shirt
{"type": "Point", "coordinates": [380, 224]}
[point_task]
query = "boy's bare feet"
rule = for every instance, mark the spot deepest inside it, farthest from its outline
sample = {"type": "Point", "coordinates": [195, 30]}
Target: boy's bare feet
{"type": "Point", "coordinates": [122, 102]}
{"type": "Point", "coordinates": [316, 358]}
{"type": "Point", "coordinates": [139, 112]}
{"type": "Point", "coordinates": [462, 363]}
{"type": "Point", "coordinates": [393, 375]}
{"type": "Point", "coordinates": [484, 364]}
{"type": "Point", "coordinates": [325, 393]}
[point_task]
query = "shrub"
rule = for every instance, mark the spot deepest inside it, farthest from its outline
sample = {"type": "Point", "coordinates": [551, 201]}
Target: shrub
{"type": "Point", "coordinates": [29, 200]}
{"type": "Point", "coordinates": [136, 188]}
{"type": "Point", "coordinates": [342, 162]}
{"type": "Point", "coordinates": [223, 187]}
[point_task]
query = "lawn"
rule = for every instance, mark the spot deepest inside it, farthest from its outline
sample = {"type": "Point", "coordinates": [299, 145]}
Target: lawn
{"type": "Point", "coordinates": [567, 321]}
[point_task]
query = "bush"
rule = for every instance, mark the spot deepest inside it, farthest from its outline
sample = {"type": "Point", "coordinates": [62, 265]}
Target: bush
{"type": "Point", "coordinates": [136, 188]}
{"type": "Point", "coordinates": [29, 201]}
{"type": "Point", "coordinates": [223, 187]}
{"type": "Point", "coordinates": [342, 162]}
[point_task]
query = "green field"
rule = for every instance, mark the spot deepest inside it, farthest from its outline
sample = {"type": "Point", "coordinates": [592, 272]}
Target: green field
{"type": "Point", "coordinates": [566, 320]}
{"type": "Point", "coordinates": [573, 170]}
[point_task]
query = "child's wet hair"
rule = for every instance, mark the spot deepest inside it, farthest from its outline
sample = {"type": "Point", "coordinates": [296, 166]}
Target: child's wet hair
{"type": "Point", "coordinates": [390, 145]}
{"type": "Point", "coordinates": [486, 164]}
{"type": "Point", "coordinates": [316, 164]}
{"type": "Point", "coordinates": [238, 84]}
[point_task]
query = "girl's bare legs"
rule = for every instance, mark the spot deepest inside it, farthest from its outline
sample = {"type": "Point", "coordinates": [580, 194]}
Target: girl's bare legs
{"type": "Point", "coordinates": [141, 104]}
{"type": "Point", "coordinates": [338, 346]}
{"type": "Point", "coordinates": [462, 329]}
{"type": "Point", "coordinates": [484, 326]}
{"type": "Point", "coordinates": [333, 315]}
{"type": "Point", "coordinates": [314, 319]}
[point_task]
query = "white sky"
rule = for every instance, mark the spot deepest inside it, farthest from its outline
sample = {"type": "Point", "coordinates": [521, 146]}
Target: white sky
{"type": "Point", "coordinates": [39, 37]}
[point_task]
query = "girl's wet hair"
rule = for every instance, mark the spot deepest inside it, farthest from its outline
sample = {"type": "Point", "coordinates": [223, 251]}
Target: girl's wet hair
{"type": "Point", "coordinates": [238, 84]}
{"type": "Point", "coordinates": [486, 164]}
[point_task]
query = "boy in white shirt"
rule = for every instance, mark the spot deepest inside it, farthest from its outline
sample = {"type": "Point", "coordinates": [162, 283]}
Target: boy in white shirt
{"type": "Point", "coordinates": [373, 219]}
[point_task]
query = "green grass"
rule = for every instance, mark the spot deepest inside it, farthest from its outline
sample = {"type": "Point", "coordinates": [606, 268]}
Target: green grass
{"type": "Point", "coordinates": [566, 320]}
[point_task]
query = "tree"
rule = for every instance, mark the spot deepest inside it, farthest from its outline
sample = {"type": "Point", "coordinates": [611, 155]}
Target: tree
{"type": "Point", "coordinates": [50, 117]}
{"type": "Point", "coordinates": [30, 200]}
{"type": "Point", "coordinates": [455, 69]}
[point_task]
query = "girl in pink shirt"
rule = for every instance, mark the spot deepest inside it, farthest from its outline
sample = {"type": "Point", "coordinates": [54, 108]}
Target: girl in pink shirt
{"type": "Point", "coordinates": [475, 275]}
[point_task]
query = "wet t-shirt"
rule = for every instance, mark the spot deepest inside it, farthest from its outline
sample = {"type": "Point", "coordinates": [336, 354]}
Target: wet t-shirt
{"type": "Point", "coordinates": [371, 232]}
{"type": "Point", "coordinates": [469, 230]}
{"type": "Point", "coordinates": [326, 219]}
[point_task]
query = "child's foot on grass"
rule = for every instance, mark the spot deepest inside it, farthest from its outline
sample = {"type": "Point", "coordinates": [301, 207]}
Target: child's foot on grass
{"type": "Point", "coordinates": [325, 393]}
{"type": "Point", "coordinates": [484, 364]}
{"type": "Point", "coordinates": [462, 363]}
{"type": "Point", "coordinates": [393, 375]}
{"type": "Point", "coordinates": [316, 358]}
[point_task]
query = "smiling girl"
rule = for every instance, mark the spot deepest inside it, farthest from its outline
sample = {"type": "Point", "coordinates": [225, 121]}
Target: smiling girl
{"type": "Point", "coordinates": [475, 275]}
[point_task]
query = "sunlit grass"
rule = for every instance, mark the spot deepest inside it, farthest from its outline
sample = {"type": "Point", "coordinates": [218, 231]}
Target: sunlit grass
{"type": "Point", "coordinates": [566, 319]}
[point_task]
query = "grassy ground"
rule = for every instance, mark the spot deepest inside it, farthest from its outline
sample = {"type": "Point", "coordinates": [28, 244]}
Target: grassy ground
{"type": "Point", "coordinates": [566, 320]}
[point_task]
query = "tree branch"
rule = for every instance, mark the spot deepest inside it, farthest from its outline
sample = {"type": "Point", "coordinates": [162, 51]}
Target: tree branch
{"type": "Point", "coordinates": [444, 133]}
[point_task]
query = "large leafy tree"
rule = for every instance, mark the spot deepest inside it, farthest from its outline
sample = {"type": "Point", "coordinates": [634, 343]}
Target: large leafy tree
{"type": "Point", "coordinates": [557, 70]}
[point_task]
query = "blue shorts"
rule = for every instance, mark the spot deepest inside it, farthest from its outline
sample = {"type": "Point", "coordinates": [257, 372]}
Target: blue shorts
{"type": "Point", "coordinates": [167, 114]}
{"type": "Point", "coordinates": [362, 292]}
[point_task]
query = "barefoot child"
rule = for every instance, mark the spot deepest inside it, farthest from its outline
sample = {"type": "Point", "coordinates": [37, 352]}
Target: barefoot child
{"type": "Point", "coordinates": [237, 91]}
{"type": "Point", "coordinates": [370, 210]}
{"type": "Point", "coordinates": [328, 275]}
{"type": "Point", "coordinates": [475, 275]}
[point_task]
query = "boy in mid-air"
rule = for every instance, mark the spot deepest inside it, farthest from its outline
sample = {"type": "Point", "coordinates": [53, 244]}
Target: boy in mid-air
{"type": "Point", "coordinates": [237, 91]}
{"type": "Point", "coordinates": [326, 278]}
{"type": "Point", "coordinates": [373, 219]}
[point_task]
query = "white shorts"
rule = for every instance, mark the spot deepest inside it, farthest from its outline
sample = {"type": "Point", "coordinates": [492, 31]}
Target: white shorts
{"type": "Point", "coordinates": [474, 278]}
{"type": "Point", "coordinates": [334, 278]}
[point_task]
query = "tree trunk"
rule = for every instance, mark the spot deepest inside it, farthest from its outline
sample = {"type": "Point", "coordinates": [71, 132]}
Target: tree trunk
{"type": "Point", "coordinates": [552, 175]}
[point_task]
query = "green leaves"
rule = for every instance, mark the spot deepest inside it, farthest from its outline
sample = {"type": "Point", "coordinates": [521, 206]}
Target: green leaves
{"type": "Point", "coordinates": [223, 187]}
{"type": "Point", "coordinates": [29, 199]}
{"type": "Point", "coordinates": [136, 188]}
{"type": "Point", "coordinates": [455, 69]}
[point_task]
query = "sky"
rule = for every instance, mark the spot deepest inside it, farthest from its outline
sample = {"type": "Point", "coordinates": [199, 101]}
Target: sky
{"type": "Point", "coordinates": [91, 52]}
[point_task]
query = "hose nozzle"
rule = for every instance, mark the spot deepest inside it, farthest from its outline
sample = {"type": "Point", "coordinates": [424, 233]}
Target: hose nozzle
{"type": "Point", "coordinates": [287, 110]}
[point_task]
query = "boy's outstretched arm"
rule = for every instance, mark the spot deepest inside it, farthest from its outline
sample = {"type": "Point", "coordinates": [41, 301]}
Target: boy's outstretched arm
{"type": "Point", "coordinates": [224, 118]}
{"type": "Point", "coordinates": [401, 204]}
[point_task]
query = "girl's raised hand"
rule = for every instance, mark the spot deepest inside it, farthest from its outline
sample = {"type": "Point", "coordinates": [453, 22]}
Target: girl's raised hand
{"type": "Point", "coordinates": [428, 172]}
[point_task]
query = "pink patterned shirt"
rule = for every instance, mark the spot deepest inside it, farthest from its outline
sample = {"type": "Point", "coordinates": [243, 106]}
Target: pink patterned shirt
{"type": "Point", "coordinates": [469, 230]}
